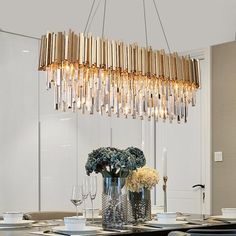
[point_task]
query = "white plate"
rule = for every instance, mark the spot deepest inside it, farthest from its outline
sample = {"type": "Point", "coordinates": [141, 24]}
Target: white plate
{"type": "Point", "coordinates": [221, 217]}
{"type": "Point", "coordinates": [95, 218]}
{"type": "Point", "coordinates": [19, 223]}
{"type": "Point", "coordinates": [86, 230]}
{"type": "Point", "coordinates": [156, 223]}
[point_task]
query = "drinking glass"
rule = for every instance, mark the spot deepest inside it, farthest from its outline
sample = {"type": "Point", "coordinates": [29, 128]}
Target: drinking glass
{"type": "Point", "coordinates": [85, 191]}
{"type": "Point", "coordinates": [76, 197]}
{"type": "Point", "coordinates": [93, 192]}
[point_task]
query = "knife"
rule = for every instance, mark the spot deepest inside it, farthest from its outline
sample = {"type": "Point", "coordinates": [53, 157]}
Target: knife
{"type": "Point", "coordinates": [53, 232]}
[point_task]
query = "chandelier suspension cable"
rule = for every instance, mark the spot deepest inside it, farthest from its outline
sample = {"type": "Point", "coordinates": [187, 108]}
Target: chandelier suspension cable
{"type": "Point", "coordinates": [162, 26]}
{"type": "Point", "coordinates": [90, 12]}
{"type": "Point", "coordinates": [145, 23]}
{"type": "Point", "coordinates": [94, 14]}
{"type": "Point", "coordinates": [104, 18]}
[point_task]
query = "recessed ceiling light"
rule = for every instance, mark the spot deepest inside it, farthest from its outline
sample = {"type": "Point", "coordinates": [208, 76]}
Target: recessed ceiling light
{"type": "Point", "coordinates": [25, 51]}
{"type": "Point", "coordinates": [65, 119]}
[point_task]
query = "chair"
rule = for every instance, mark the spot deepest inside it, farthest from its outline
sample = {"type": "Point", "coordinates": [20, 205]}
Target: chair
{"type": "Point", "coordinates": [211, 232]}
{"type": "Point", "coordinates": [48, 215]}
{"type": "Point", "coordinates": [204, 232]}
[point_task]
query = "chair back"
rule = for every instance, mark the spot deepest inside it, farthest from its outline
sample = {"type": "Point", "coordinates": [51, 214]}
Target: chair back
{"type": "Point", "coordinates": [211, 232]}
{"type": "Point", "coordinates": [48, 215]}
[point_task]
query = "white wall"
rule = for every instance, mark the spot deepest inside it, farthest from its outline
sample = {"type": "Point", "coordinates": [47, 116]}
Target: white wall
{"type": "Point", "coordinates": [66, 140]}
{"type": "Point", "coordinates": [189, 24]}
{"type": "Point", "coordinates": [18, 124]}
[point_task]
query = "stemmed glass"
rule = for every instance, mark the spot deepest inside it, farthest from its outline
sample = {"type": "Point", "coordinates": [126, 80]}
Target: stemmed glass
{"type": "Point", "coordinates": [85, 192]}
{"type": "Point", "coordinates": [93, 192]}
{"type": "Point", "coordinates": [76, 197]}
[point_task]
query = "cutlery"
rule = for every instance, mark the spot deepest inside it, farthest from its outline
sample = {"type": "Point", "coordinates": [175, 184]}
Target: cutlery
{"type": "Point", "coordinates": [152, 226]}
{"type": "Point", "coordinates": [53, 232]}
{"type": "Point", "coordinates": [113, 230]}
{"type": "Point", "coordinates": [223, 221]}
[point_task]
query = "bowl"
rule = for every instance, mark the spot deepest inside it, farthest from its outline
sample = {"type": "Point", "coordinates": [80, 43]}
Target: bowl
{"type": "Point", "coordinates": [12, 217]}
{"type": "Point", "coordinates": [89, 212]}
{"type": "Point", "coordinates": [229, 212]}
{"type": "Point", "coordinates": [166, 217]}
{"type": "Point", "coordinates": [74, 222]}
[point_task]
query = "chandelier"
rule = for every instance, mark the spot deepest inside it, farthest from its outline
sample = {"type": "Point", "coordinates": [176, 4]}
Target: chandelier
{"type": "Point", "coordinates": [94, 74]}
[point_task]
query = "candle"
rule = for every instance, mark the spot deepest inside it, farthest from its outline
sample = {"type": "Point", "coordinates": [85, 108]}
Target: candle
{"type": "Point", "coordinates": [164, 162]}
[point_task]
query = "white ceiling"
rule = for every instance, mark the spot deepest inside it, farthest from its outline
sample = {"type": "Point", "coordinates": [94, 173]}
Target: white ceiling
{"type": "Point", "coordinates": [189, 24]}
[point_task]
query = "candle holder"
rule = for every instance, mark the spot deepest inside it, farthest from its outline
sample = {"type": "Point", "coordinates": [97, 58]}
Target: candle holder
{"type": "Point", "coordinates": [165, 178]}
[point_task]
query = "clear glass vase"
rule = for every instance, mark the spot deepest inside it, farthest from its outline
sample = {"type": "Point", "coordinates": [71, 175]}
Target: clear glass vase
{"type": "Point", "coordinates": [139, 204]}
{"type": "Point", "coordinates": [114, 203]}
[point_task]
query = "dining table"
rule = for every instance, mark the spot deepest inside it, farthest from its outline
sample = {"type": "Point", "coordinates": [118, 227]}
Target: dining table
{"type": "Point", "coordinates": [193, 222]}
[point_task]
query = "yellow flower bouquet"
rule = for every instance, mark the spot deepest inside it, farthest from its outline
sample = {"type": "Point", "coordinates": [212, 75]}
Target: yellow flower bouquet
{"type": "Point", "coordinates": [144, 177]}
{"type": "Point", "coordinates": [139, 183]}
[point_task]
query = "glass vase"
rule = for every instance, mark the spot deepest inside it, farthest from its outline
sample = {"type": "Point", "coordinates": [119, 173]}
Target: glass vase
{"type": "Point", "coordinates": [114, 203]}
{"type": "Point", "coordinates": [139, 206]}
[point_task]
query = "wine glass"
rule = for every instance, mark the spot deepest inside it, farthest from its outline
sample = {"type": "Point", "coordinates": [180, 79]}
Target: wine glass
{"type": "Point", "coordinates": [85, 191]}
{"type": "Point", "coordinates": [76, 197]}
{"type": "Point", "coordinates": [93, 192]}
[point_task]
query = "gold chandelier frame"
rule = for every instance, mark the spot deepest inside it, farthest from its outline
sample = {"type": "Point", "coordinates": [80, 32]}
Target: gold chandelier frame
{"type": "Point", "coordinates": [96, 74]}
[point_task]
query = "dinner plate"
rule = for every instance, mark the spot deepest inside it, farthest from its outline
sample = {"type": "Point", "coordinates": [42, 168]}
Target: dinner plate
{"type": "Point", "coordinates": [15, 224]}
{"type": "Point", "coordinates": [86, 230]}
{"type": "Point", "coordinates": [95, 218]}
{"type": "Point", "coordinates": [156, 223]}
{"type": "Point", "coordinates": [221, 217]}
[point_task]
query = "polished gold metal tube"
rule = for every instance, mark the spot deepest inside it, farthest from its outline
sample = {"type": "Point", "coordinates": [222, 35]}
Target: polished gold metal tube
{"type": "Point", "coordinates": [143, 72]}
{"type": "Point", "coordinates": [85, 61]}
{"type": "Point", "coordinates": [78, 50]}
{"type": "Point", "coordinates": [117, 56]}
{"type": "Point", "coordinates": [197, 74]}
{"type": "Point", "coordinates": [187, 68]}
{"type": "Point", "coordinates": [175, 66]}
{"type": "Point", "coordinates": [89, 50]}
{"type": "Point", "coordinates": [157, 63]}
{"type": "Point", "coordinates": [66, 47]}
{"type": "Point", "coordinates": [58, 57]}
{"type": "Point", "coordinates": [161, 63]}
{"type": "Point", "coordinates": [102, 54]}
{"type": "Point", "coordinates": [41, 65]}
{"type": "Point", "coordinates": [122, 56]}
{"type": "Point", "coordinates": [48, 49]}
{"type": "Point", "coordinates": [98, 52]}
{"type": "Point", "coordinates": [125, 58]}
{"type": "Point", "coordinates": [70, 41]}
{"type": "Point", "coordinates": [171, 66]}
{"type": "Point", "coordinates": [135, 49]}
{"type": "Point", "coordinates": [81, 48]}
{"type": "Point", "coordinates": [113, 55]}
{"type": "Point", "coordinates": [139, 58]}
{"type": "Point", "coordinates": [191, 76]}
{"type": "Point", "coordinates": [106, 54]}
{"type": "Point", "coordinates": [148, 62]}
{"type": "Point", "coordinates": [178, 68]}
{"type": "Point", "coordinates": [74, 48]}
{"type": "Point", "coordinates": [129, 55]}
{"type": "Point", "coordinates": [53, 48]}
{"type": "Point", "coordinates": [109, 55]}
{"type": "Point", "coordinates": [166, 66]}
{"type": "Point", "coordinates": [153, 68]}
{"type": "Point", "coordinates": [93, 51]}
{"type": "Point", "coordinates": [63, 47]}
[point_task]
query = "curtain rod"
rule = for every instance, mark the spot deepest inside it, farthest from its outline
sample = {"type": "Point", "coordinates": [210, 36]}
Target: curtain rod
{"type": "Point", "coordinates": [22, 35]}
